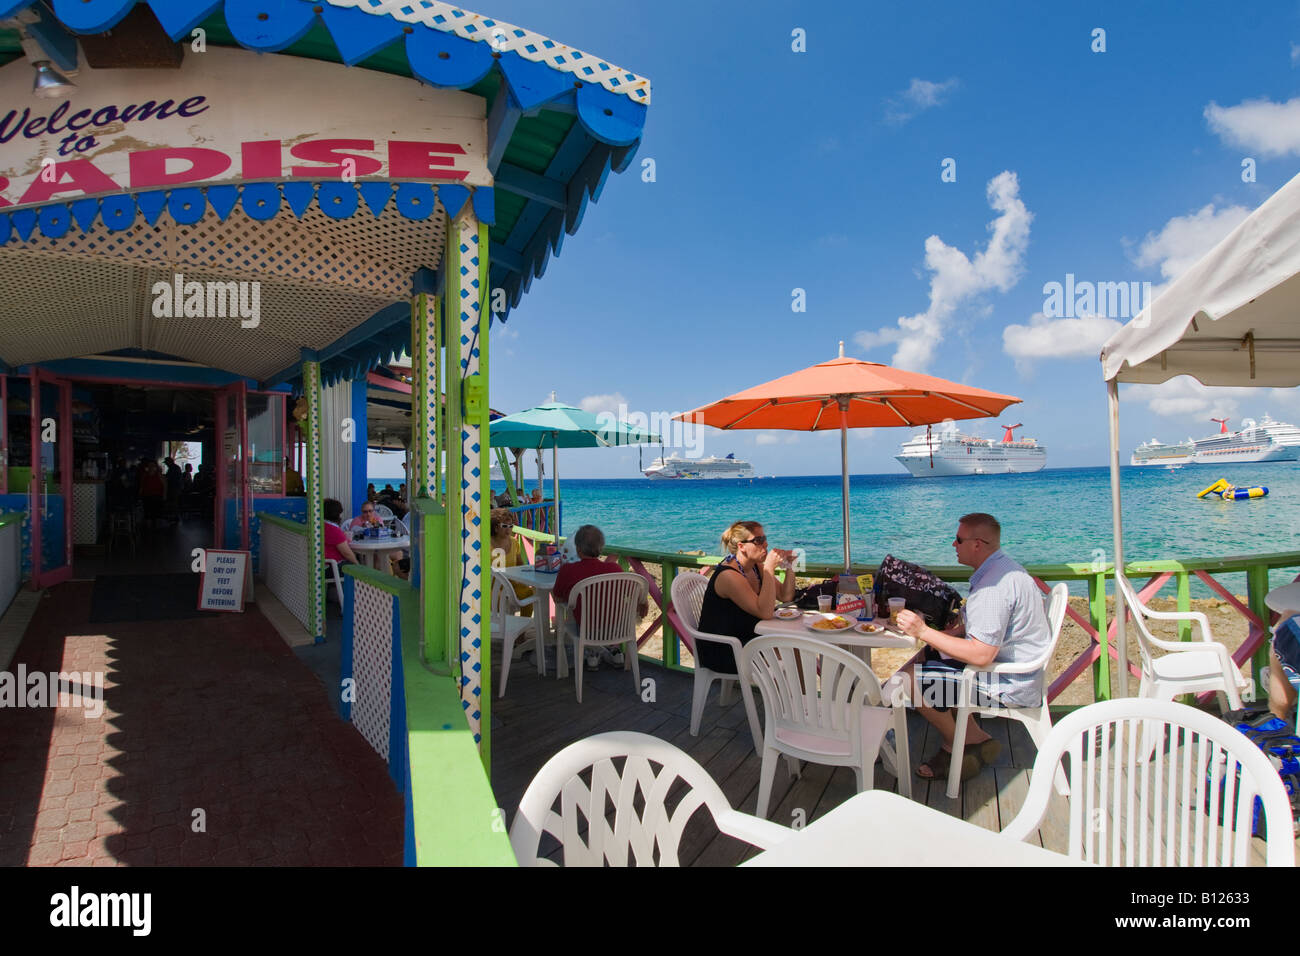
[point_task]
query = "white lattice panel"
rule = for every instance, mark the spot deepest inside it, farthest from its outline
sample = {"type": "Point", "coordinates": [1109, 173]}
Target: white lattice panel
{"type": "Point", "coordinates": [10, 564]}
{"type": "Point", "coordinates": [284, 566]}
{"type": "Point", "coordinates": [319, 278]}
{"type": "Point", "coordinates": [506, 36]}
{"type": "Point", "coordinates": [372, 664]}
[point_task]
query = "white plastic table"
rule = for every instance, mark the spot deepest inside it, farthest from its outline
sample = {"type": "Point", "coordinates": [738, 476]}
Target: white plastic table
{"type": "Point", "coordinates": [878, 828]}
{"type": "Point", "coordinates": [543, 582]}
{"type": "Point", "coordinates": [851, 639]}
{"type": "Point", "coordinates": [369, 549]}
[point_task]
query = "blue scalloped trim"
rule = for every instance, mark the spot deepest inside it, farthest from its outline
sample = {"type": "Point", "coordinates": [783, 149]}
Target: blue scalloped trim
{"type": "Point", "coordinates": [439, 58]}
{"type": "Point", "coordinates": [188, 204]}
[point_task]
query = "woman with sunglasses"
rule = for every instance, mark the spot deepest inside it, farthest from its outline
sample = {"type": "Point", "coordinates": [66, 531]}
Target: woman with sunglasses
{"type": "Point", "coordinates": [743, 590]}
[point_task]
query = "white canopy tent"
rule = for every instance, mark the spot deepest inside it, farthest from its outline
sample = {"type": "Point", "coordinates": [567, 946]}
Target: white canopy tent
{"type": "Point", "coordinates": [1231, 319]}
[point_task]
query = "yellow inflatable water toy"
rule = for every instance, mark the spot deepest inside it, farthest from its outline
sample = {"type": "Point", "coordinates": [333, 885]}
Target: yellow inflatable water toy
{"type": "Point", "coordinates": [1227, 492]}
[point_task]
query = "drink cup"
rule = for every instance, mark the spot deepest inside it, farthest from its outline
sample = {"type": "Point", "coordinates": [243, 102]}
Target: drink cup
{"type": "Point", "coordinates": [896, 604]}
{"type": "Point", "coordinates": [824, 603]}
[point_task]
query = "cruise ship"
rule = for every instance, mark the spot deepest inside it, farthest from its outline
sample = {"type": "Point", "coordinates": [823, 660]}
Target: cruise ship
{"type": "Point", "coordinates": [674, 466]}
{"type": "Point", "coordinates": [949, 452]}
{"type": "Point", "coordinates": [1266, 440]}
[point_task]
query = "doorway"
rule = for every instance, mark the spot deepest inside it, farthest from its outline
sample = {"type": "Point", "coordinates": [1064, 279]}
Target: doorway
{"type": "Point", "coordinates": [144, 477]}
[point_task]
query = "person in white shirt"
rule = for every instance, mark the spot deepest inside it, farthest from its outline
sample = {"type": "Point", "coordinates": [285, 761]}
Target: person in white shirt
{"type": "Point", "coordinates": [1004, 622]}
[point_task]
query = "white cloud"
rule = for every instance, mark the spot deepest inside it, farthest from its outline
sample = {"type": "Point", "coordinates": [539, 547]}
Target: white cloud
{"type": "Point", "coordinates": [766, 438]}
{"type": "Point", "coordinates": [1295, 53]}
{"type": "Point", "coordinates": [921, 95]}
{"type": "Point", "coordinates": [595, 404]}
{"type": "Point", "coordinates": [1057, 338]}
{"type": "Point", "coordinates": [1260, 126]}
{"type": "Point", "coordinates": [1182, 241]}
{"type": "Point", "coordinates": [1186, 399]}
{"type": "Point", "coordinates": [956, 279]}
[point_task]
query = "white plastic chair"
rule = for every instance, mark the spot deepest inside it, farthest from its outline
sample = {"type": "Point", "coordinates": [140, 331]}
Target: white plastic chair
{"type": "Point", "coordinates": [585, 781]}
{"type": "Point", "coordinates": [334, 576]}
{"type": "Point", "coordinates": [1126, 811]}
{"type": "Point", "coordinates": [384, 512]}
{"type": "Point", "coordinates": [687, 599]}
{"type": "Point", "coordinates": [822, 703]}
{"type": "Point", "coordinates": [399, 527]}
{"type": "Point", "coordinates": [1037, 720]}
{"type": "Point", "coordinates": [607, 604]}
{"type": "Point", "coordinates": [508, 625]}
{"type": "Point", "coordinates": [1187, 667]}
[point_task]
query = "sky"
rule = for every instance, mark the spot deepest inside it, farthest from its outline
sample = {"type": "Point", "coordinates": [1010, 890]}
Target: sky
{"type": "Point", "coordinates": [915, 177]}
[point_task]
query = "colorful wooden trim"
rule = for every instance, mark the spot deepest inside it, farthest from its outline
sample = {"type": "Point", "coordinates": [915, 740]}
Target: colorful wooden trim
{"type": "Point", "coordinates": [466, 292]}
{"type": "Point", "coordinates": [315, 516]}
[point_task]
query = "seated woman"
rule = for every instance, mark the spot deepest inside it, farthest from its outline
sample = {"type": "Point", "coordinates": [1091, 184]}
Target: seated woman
{"type": "Point", "coordinates": [336, 539]}
{"type": "Point", "coordinates": [743, 590]}
{"type": "Point", "coordinates": [510, 550]}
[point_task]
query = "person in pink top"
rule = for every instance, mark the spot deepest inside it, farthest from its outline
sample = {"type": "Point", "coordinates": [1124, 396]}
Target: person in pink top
{"type": "Point", "coordinates": [336, 539]}
{"type": "Point", "coordinates": [589, 542]}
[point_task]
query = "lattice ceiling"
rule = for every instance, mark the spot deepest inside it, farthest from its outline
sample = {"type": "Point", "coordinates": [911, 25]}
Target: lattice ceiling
{"type": "Point", "coordinates": [319, 278]}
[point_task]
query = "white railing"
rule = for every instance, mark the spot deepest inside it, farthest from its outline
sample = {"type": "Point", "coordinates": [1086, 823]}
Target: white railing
{"type": "Point", "coordinates": [372, 664]}
{"type": "Point", "coordinates": [284, 566]}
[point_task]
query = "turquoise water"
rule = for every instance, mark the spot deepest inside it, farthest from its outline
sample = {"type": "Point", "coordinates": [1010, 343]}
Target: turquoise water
{"type": "Point", "coordinates": [1050, 517]}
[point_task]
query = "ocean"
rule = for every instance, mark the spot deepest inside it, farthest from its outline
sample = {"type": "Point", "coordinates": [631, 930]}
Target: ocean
{"type": "Point", "coordinates": [1053, 516]}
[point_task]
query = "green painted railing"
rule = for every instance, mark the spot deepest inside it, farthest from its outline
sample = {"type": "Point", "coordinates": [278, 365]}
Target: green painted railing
{"type": "Point", "coordinates": [452, 814]}
{"type": "Point", "coordinates": [280, 521]}
{"type": "Point", "coordinates": [1096, 623]}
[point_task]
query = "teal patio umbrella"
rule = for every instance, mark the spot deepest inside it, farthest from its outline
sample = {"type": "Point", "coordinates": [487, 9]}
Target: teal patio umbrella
{"type": "Point", "coordinates": [555, 425]}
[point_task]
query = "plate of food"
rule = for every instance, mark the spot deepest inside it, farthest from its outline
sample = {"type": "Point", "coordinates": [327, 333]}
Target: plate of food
{"type": "Point", "coordinates": [788, 613]}
{"type": "Point", "coordinates": [870, 627]}
{"type": "Point", "coordinates": [828, 622]}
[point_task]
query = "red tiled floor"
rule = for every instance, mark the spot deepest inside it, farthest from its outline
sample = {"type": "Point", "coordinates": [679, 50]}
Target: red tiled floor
{"type": "Point", "coordinates": [212, 714]}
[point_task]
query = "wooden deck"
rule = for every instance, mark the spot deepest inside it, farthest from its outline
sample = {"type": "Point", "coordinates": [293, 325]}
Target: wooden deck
{"type": "Point", "coordinates": [539, 716]}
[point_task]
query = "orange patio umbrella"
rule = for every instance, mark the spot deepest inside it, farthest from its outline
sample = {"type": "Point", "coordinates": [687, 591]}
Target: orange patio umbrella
{"type": "Point", "coordinates": [849, 393]}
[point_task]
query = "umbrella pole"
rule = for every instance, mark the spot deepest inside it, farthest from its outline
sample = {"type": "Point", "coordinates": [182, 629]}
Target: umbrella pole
{"type": "Point", "coordinates": [555, 481]}
{"type": "Point", "coordinates": [1121, 631]}
{"type": "Point", "coordinates": [844, 476]}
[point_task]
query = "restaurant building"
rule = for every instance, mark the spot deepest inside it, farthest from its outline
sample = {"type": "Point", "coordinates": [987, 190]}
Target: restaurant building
{"type": "Point", "coordinates": [218, 223]}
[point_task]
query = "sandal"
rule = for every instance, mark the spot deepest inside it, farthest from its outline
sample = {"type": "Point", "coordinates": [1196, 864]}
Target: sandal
{"type": "Point", "coordinates": [938, 766]}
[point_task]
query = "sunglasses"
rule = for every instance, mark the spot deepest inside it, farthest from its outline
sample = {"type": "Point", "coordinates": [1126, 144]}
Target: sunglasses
{"type": "Point", "coordinates": [761, 541]}
{"type": "Point", "coordinates": [961, 540]}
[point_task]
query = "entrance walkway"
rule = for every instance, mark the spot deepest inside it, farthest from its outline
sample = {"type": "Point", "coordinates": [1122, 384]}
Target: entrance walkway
{"type": "Point", "coordinates": [216, 745]}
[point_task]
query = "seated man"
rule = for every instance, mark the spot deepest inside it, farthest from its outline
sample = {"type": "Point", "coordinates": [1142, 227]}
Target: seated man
{"type": "Point", "coordinates": [1005, 622]}
{"type": "Point", "coordinates": [590, 541]}
{"type": "Point", "coordinates": [369, 518]}
{"type": "Point", "coordinates": [1284, 673]}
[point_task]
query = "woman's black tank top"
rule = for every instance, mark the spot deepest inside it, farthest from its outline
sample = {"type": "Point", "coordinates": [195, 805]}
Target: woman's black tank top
{"type": "Point", "coordinates": [719, 615]}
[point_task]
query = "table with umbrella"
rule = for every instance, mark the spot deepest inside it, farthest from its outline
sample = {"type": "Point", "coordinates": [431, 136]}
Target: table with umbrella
{"type": "Point", "coordinates": [849, 393]}
{"type": "Point", "coordinates": [555, 425]}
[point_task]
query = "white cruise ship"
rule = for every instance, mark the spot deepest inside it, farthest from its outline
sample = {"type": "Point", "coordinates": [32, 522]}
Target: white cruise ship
{"type": "Point", "coordinates": [1267, 440]}
{"type": "Point", "coordinates": [948, 452]}
{"type": "Point", "coordinates": [1156, 452]}
{"type": "Point", "coordinates": [674, 466]}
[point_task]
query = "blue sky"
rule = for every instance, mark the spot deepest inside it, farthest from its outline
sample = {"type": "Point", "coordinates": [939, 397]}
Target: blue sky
{"type": "Point", "coordinates": [778, 170]}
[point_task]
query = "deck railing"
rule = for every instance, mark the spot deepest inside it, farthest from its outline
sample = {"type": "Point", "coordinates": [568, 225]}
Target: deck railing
{"type": "Point", "coordinates": [284, 562]}
{"type": "Point", "coordinates": [1097, 624]}
{"type": "Point", "coordinates": [538, 517]}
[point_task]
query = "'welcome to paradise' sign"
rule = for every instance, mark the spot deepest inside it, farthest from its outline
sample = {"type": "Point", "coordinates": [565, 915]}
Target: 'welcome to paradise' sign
{"type": "Point", "coordinates": [232, 116]}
